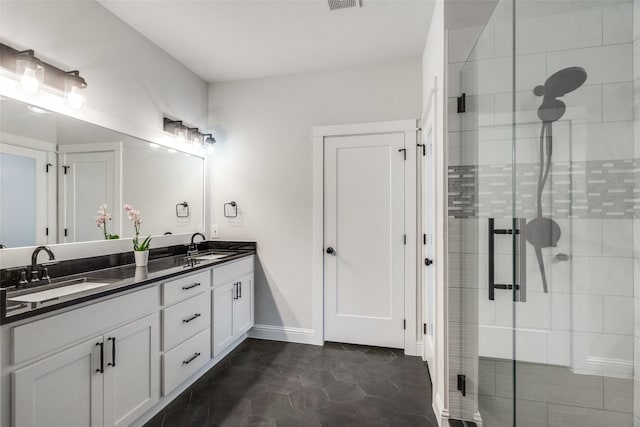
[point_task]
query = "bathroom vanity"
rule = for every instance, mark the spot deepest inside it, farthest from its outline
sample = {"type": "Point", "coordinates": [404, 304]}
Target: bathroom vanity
{"type": "Point", "coordinates": [116, 351]}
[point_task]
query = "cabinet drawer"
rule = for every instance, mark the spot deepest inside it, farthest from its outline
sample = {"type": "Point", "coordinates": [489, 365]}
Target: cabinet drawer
{"type": "Point", "coordinates": [185, 360]}
{"type": "Point", "coordinates": [185, 287]}
{"type": "Point", "coordinates": [228, 272]}
{"type": "Point", "coordinates": [185, 319]}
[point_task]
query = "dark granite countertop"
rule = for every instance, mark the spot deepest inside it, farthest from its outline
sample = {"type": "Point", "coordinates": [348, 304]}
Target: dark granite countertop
{"type": "Point", "coordinates": [117, 270]}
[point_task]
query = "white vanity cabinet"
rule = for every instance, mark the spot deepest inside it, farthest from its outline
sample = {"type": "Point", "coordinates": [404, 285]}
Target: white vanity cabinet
{"type": "Point", "coordinates": [109, 380]}
{"type": "Point", "coordinates": [117, 361]}
{"type": "Point", "coordinates": [233, 303]}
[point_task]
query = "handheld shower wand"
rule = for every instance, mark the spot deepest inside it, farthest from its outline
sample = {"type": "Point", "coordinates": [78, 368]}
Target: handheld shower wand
{"type": "Point", "coordinates": [545, 232]}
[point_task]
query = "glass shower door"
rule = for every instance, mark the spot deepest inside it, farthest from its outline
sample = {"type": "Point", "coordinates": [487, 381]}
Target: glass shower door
{"type": "Point", "coordinates": [542, 216]}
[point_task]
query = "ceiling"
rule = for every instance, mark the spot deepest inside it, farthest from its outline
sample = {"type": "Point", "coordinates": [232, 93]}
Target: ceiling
{"type": "Point", "coordinates": [222, 40]}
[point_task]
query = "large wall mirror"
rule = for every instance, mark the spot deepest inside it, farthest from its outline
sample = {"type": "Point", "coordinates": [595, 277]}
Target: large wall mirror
{"type": "Point", "coordinates": [57, 171]}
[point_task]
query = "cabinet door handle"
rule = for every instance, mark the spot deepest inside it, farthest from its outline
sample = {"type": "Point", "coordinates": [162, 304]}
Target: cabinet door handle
{"type": "Point", "coordinates": [194, 317]}
{"type": "Point", "coordinates": [240, 287]}
{"type": "Point", "coordinates": [186, 288]}
{"type": "Point", "coordinates": [113, 351]}
{"type": "Point", "coordinates": [101, 368]}
{"type": "Point", "coordinates": [191, 359]}
{"type": "Point", "coordinates": [235, 290]}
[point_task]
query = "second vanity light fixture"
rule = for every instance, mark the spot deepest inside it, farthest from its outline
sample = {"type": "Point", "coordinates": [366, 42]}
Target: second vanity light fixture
{"type": "Point", "coordinates": [33, 74]}
{"type": "Point", "coordinates": [185, 134]}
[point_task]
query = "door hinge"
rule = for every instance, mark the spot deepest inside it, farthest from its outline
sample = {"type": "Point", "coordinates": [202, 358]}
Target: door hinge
{"type": "Point", "coordinates": [462, 103]}
{"type": "Point", "coordinates": [404, 324]}
{"type": "Point", "coordinates": [424, 328]}
{"type": "Point", "coordinates": [47, 166]}
{"type": "Point", "coordinates": [66, 168]}
{"type": "Point", "coordinates": [66, 232]}
{"type": "Point", "coordinates": [404, 239]}
{"type": "Point", "coordinates": [404, 151]}
{"type": "Point", "coordinates": [462, 384]}
{"type": "Point", "coordinates": [424, 149]}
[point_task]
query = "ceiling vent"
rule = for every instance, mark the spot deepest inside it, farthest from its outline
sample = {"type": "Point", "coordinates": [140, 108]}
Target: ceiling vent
{"type": "Point", "coordinates": [343, 4]}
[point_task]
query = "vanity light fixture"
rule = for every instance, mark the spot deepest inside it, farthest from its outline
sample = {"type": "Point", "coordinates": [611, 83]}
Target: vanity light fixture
{"type": "Point", "coordinates": [34, 74]}
{"type": "Point", "coordinates": [179, 130]}
{"type": "Point", "coordinates": [182, 133]}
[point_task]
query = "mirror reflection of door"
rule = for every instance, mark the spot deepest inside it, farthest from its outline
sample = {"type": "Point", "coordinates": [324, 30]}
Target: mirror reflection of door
{"type": "Point", "coordinates": [24, 196]}
{"type": "Point", "coordinates": [88, 180]}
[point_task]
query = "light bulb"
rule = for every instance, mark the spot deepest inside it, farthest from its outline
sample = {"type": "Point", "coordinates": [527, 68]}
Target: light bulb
{"type": "Point", "coordinates": [29, 82]}
{"type": "Point", "coordinates": [75, 98]}
{"type": "Point", "coordinates": [74, 86]}
{"type": "Point", "coordinates": [210, 149]}
{"type": "Point", "coordinates": [30, 74]}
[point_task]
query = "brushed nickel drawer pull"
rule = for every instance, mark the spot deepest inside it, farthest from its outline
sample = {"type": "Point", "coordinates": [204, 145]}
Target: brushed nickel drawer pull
{"type": "Point", "coordinates": [186, 362]}
{"type": "Point", "coordinates": [194, 317]}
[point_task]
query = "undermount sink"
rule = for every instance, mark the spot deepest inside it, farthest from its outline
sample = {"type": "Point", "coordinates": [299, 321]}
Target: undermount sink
{"type": "Point", "coordinates": [211, 257]}
{"type": "Point", "coordinates": [58, 291]}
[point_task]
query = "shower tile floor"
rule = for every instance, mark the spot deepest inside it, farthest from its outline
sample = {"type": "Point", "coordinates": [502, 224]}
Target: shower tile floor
{"type": "Point", "coordinates": [270, 383]}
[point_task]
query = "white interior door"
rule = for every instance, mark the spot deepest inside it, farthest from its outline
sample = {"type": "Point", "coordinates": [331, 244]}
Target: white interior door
{"type": "Point", "coordinates": [89, 181]}
{"type": "Point", "coordinates": [364, 239]}
{"type": "Point", "coordinates": [24, 197]}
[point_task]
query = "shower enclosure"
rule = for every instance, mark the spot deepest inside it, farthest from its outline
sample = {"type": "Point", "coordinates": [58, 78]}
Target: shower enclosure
{"type": "Point", "coordinates": [544, 201]}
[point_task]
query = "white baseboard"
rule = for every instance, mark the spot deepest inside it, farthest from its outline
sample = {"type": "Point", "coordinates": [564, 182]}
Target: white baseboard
{"type": "Point", "coordinates": [442, 414]}
{"type": "Point", "coordinates": [283, 333]}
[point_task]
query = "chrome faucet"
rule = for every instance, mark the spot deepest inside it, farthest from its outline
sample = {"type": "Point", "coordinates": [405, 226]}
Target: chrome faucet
{"type": "Point", "coordinates": [34, 263]}
{"type": "Point", "coordinates": [193, 247]}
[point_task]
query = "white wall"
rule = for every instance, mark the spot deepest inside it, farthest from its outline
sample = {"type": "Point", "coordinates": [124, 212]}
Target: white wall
{"type": "Point", "coordinates": [263, 161]}
{"type": "Point", "coordinates": [131, 81]}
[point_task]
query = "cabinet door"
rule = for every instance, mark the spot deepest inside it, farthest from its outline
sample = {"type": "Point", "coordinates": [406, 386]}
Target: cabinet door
{"type": "Point", "coordinates": [243, 306]}
{"type": "Point", "coordinates": [223, 301]}
{"type": "Point", "coordinates": [132, 370]}
{"type": "Point", "coordinates": [63, 390]}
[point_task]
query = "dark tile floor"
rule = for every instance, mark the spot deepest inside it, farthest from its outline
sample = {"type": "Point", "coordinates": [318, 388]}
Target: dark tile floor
{"type": "Point", "coordinates": [270, 383]}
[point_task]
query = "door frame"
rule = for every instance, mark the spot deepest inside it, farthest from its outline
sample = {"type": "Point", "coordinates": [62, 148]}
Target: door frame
{"type": "Point", "coordinates": [409, 128]}
{"type": "Point", "coordinates": [427, 207]}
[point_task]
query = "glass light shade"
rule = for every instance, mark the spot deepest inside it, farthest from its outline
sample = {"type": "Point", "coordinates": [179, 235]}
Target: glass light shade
{"type": "Point", "coordinates": [181, 134]}
{"type": "Point", "coordinates": [30, 74]}
{"type": "Point", "coordinates": [195, 137]}
{"type": "Point", "coordinates": [209, 148]}
{"type": "Point", "coordinates": [74, 94]}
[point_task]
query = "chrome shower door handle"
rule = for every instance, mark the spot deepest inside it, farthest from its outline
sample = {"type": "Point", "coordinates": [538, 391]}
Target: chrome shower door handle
{"type": "Point", "coordinates": [521, 295]}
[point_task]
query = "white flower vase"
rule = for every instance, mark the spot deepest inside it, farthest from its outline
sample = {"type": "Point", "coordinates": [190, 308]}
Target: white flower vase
{"type": "Point", "coordinates": [141, 274]}
{"type": "Point", "coordinates": [142, 258]}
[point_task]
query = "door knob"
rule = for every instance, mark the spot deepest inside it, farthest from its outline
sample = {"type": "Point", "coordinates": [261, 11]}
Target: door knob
{"type": "Point", "coordinates": [330, 250]}
{"type": "Point", "coordinates": [428, 261]}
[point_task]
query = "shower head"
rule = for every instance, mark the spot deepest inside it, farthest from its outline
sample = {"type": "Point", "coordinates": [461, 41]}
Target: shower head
{"type": "Point", "coordinates": [562, 82]}
{"type": "Point", "coordinates": [557, 85]}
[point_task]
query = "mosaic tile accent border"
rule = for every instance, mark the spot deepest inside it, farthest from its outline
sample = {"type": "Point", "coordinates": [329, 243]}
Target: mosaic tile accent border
{"type": "Point", "coordinates": [592, 189]}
